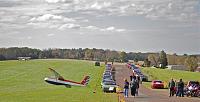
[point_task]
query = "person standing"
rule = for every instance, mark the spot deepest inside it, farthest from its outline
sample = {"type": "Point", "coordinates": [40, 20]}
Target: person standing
{"type": "Point", "coordinates": [132, 77]}
{"type": "Point", "coordinates": [181, 88]}
{"type": "Point", "coordinates": [133, 86]}
{"type": "Point", "coordinates": [126, 87]}
{"type": "Point", "coordinates": [171, 87]}
{"type": "Point", "coordinates": [176, 89]}
{"type": "Point", "coordinates": [138, 84]}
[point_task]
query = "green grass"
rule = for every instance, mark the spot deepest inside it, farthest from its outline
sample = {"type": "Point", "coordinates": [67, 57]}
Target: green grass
{"type": "Point", "coordinates": [22, 81]}
{"type": "Point", "coordinates": [165, 75]}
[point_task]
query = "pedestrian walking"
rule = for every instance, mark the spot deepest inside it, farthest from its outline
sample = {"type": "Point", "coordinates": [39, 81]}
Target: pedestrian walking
{"type": "Point", "coordinates": [133, 86]}
{"type": "Point", "coordinates": [171, 87]}
{"type": "Point", "coordinates": [126, 87]}
{"type": "Point", "coordinates": [138, 85]}
{"type": "Point", "coordinates": [132, 77]}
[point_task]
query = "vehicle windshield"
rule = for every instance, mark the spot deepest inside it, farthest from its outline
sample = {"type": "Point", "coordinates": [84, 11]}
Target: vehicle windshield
{"type": "Point", "coordinates": [157, 81]}
{"type": "Point", "coordinates": [193, 83]}
{"type": "Point", "coordinates": [109, 83]}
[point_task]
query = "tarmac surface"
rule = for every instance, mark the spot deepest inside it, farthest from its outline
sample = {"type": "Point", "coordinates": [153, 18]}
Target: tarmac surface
{"type": "Point", "coordinates": [147, 94]}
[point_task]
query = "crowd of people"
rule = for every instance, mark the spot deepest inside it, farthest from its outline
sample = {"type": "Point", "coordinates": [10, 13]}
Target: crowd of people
{"type": "Point", "coordinates": [133, 85]}
{"type": "Point", "coordinates": [176, 88]}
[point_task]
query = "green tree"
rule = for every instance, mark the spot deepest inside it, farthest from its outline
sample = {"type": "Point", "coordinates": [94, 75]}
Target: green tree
{"type": "Point", "coordinates": [123, 56]}
{"type": "Point", "coordinates": [163, 59]}
{"type": "Point", "coordinates": [191, 62]}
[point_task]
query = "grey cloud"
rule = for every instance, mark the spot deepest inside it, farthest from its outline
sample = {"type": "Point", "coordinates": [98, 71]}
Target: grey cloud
{"type": "Point", "coordinates": [131, 20]}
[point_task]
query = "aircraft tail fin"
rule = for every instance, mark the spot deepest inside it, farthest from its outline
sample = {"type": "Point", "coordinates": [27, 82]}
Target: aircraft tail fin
{"type": "Point", "coordinates": [86, 80]}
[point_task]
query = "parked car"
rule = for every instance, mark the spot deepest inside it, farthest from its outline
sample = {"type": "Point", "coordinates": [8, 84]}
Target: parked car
{"type": "Point", "coordinates": [192, 89]}
{"type": "Point", "coordinates": [193, 83]}
{"type": "Point", "coordinates": [143, 77]}
{"type": "Point", "coordinates": [108, 68]}
{"type": "Point", "coordinates": [107, 77]}
{"type": "Point", "coordinates": [109, 65]}
{"type": "Point", "coordinates": [157, 84]}
{"type": "Point", "coordinates": [109, 86]}
{"type": "Point", "coordinates": [97, 63]}
{"type": "Point", "coordinates": [107, 73]}
{"type": "Point", "coordinates": [106, 80]}
{"type": "Point", "coordinates": [137, 70]}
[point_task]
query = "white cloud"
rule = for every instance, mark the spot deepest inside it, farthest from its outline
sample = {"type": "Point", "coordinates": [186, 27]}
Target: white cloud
{"type": "Point", "coordinates": [57, 1]}
{"type": "Point", "coordinates": [46, 17]}
{"type": "Point", "coordinates": [69, 19]}
{"type": "Point", "coordinates": [170, 5]}
{"type": "Point", "coordinates": [49, 21]}
{"type": "Point", "coordinates": [92, 28]}
{"type": "Point", "coordinates": [96, 6]}
{"type": "Point", "coordinates": [113, 29]}
{"type": "Point", "coordinates": [110, 28]}
{"type": "Point", "coordinates": [99, 6]}
{"type": "Point", "coordinates": [69, 26]}
{"type": "Point", "coordinates": [49, 35]}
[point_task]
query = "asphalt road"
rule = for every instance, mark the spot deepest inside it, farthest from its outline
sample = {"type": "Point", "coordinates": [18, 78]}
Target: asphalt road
{"type": "Point", "coordinates": [147, 94]}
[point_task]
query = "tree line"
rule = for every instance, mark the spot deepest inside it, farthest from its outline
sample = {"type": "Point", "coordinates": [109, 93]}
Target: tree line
{"type": "Point", "coordinates": [160, 59]}
{"type": "Point", "coordinates": [13, 53]}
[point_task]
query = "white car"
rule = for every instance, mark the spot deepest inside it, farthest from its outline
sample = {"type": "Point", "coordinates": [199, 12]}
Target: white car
{"type": "Point", "coordinates": [109, 86]}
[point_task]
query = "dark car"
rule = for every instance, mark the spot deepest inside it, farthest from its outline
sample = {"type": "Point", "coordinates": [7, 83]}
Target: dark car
{"type": "Point", "coordinates": [107, 73]}
{"type": "Point", "coordinates": [143, 77]}
{"type": "Point", "coordinates": [97, 63]}
{"type": "Point", "coordinates": [108, 77]}
{"type": "Point", "coordinates": [107, 80]}
{"type": "Point", "coordinates": [109, 65]}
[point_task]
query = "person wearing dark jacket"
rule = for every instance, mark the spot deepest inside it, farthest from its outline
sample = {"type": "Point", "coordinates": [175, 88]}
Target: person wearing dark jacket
{"type": "Point", "coordinates": [132, 77]}
{"type": "Point", "coordinates": [180, 88]}
{"type": "Point", "coordinates": [171, 87]}
{"type": "Point", "coordinates": [133, 86]}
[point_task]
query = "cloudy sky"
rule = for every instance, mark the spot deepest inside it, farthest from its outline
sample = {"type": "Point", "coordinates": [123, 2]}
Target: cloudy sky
{"type": "Point", "coordinates": [124, 25]}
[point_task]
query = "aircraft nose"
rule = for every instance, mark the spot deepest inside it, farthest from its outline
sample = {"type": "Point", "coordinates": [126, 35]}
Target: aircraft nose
{"type": "Point", "coordinates": [45, 79]}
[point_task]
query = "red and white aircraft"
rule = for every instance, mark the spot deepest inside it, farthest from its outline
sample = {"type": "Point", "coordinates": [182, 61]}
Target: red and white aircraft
{"type": "Point", "coordinates": [59, 80]}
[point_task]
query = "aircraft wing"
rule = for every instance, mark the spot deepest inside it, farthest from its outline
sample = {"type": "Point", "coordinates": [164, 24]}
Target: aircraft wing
{"type": "Point", "coordinates": [57, 75]}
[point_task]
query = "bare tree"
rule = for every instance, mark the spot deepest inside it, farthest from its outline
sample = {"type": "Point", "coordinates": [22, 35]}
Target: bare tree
{"type": "Point", "coordinates": [191, 62]}
{"type": "Point", "coordinates": [153, 58]}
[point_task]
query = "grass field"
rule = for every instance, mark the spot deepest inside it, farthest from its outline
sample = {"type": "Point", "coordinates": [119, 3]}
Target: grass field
{"type": "Point", "coordinates": [165, 75]}
{"type": "Point", "coordinates": [22, 81]}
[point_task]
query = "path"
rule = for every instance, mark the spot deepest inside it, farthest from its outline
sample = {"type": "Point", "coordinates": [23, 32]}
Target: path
{"type": "Point", "coordinates": [146, 94]}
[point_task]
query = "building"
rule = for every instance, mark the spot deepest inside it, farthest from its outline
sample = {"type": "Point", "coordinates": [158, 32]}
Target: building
{"type": "Point", "coordinates": [177, 67]}
{"type": "Point", "coordinates": [198, 69]}
{"type": "Point", "coordinates": [23, 58]}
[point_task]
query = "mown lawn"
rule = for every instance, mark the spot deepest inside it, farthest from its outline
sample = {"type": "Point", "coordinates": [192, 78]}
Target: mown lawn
{"type": "Point", "coordinates": [165, 75]}
{"type": "Point", "coordinates": [22, 81]}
